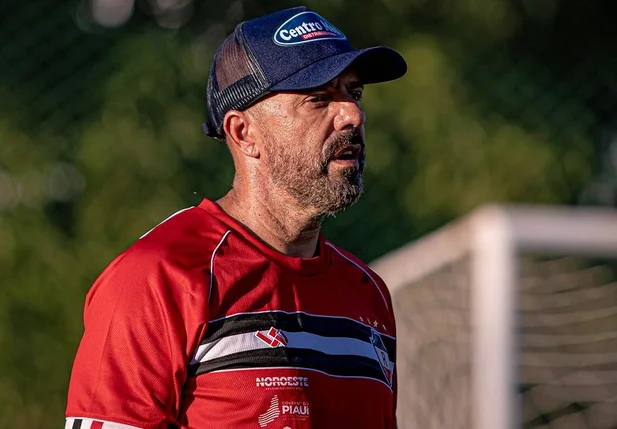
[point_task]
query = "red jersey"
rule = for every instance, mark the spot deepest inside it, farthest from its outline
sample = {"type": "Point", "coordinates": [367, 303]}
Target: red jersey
{"type": "Point", "coordinates": [199, 324]}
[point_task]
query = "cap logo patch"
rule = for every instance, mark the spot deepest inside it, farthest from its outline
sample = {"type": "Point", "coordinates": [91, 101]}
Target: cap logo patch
{"type": "Point", "coordinates": [306, 27]}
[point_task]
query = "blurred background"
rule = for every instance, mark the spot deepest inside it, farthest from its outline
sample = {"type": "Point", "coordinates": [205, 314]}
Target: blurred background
{"type": "Point", "coordinates": [101, 105]}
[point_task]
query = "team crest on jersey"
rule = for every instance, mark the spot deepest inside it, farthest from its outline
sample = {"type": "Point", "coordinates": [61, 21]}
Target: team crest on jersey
{"type": "Point", "coordinates": [306, 27]}
{"type": "Point", "coordinates": [382, 356]}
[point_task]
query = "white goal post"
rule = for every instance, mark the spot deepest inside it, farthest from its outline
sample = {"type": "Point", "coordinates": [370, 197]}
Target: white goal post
{"type": "Point", "coordinates": [493, 236]}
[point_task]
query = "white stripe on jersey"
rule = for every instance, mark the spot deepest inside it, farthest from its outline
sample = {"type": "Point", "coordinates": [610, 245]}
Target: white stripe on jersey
{"type": "Point", "coordinates": [87, 424]}
{"type": "Point", "coordinates": [335, 346]}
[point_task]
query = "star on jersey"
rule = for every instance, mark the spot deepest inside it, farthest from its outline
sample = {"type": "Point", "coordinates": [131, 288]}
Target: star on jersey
{"type": "Point", "coordinates": [375, 323]}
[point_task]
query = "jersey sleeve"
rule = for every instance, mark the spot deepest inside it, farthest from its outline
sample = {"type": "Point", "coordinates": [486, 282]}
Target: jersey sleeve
{"type": "Point", "coordinates": [140, 331]}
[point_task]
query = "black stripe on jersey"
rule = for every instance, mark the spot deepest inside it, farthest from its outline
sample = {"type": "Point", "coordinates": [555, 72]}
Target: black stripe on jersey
{"type": "Point", "coordinates": [324, 326]}
{"type": "Point", "coordinates": [338, 365]}
{"type": "Point", "coordinates": [77, 424]}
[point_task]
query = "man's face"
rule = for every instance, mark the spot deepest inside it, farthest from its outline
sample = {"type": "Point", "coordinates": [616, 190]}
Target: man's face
{"type": "Point", "coordinates": [313, 143]}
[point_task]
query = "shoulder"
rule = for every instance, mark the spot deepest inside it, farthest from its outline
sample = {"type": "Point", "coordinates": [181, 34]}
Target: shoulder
{"type": "Point", "coordinates": [187, 238]}
{"type": "Point", "coordinates": [175, 254]}
{"type": "Point", "coordinates": [192, 227]}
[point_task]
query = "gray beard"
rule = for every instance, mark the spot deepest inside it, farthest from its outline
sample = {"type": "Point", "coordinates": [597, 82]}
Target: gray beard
{"type": "Point", "coordinates": [325, 195]}
{"type": "Point", "coordinates": [309, 182]}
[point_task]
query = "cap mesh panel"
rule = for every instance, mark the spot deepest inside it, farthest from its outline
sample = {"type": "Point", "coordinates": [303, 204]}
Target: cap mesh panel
{"type": "Point", "coordinates": [236, 80]}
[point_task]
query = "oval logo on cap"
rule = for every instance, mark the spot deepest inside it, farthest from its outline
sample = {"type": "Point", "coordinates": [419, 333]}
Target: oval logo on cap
{"type": "Point", "coordinates": [306, 27]}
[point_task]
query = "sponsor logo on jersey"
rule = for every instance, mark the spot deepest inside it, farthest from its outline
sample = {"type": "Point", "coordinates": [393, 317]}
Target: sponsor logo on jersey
{"type": "Point", "coordinates": [273, 338]}
{"type": "Point", "coordinates": [295, 408]}
{"type": "Point", "coordinates": [382, 355]}
{"type": "Point", "coordinates": [272, 413]}
{"type": "Point", "coordinates": [306, 27]}
{"type": "Point", "coordinates": [281, 381]}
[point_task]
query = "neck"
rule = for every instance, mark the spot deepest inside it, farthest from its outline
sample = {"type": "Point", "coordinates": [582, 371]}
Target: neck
{"type": "Point", "coordinates": [276, 219]}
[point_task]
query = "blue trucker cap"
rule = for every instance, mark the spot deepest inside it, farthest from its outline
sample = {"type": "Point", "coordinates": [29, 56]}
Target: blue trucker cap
{"type": "Point", "coordinates": [290, 50]}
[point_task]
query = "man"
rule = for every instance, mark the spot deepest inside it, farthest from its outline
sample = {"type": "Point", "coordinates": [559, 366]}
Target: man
{"type": "Point", "coordinates": [239, 313]}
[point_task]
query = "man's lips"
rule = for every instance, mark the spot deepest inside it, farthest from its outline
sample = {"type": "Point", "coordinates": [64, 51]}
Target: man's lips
{"type": "Point", "coordinates": [348, 152]}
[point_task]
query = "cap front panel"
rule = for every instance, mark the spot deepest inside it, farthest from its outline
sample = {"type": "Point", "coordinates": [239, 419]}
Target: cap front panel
{"type": "Point", "coordinates": [286, 42]}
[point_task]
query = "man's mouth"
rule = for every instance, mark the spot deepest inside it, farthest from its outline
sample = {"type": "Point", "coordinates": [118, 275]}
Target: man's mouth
{"type": "Point", "coordinates": [348, 153]}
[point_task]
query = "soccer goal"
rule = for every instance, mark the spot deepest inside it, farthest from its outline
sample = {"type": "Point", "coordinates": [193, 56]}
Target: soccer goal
{"type": "Point", "coordinates": [507, 319]}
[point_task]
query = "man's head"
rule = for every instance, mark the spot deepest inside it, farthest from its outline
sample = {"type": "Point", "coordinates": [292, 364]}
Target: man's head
{"type": "Point", "coordinates": [284, 92]}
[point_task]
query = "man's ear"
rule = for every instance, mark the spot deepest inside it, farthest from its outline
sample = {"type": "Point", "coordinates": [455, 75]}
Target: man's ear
{"type": "Point", "coordinates": [238, 129]}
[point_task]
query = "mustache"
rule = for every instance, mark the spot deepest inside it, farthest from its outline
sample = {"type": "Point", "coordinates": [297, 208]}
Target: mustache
{"type": "Point", "coordinates": [345, 138]}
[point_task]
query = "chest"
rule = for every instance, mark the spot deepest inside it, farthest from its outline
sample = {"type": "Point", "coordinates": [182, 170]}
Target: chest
{"type": "Point", "coordinates": [259, 286]}
{"type": "Point", "coordinates": [283, 350]}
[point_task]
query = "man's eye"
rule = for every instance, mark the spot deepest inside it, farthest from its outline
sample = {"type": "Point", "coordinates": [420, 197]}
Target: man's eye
{"type": "Point", "coordinates": [319, 99]}
{"type": "Point", "coordinates": [357, 95]}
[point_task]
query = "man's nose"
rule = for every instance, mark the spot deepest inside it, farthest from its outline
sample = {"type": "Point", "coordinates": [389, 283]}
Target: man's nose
{"type": "Point", "coordinates": [349, 115]}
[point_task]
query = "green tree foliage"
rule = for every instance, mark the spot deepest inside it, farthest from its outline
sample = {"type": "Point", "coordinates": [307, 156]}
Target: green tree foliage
{"type": "Point", "coordinates": [100, 139]}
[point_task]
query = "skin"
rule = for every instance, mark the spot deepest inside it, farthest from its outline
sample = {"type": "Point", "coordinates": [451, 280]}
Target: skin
{"type": "Point", "coordinates": [287, 179]}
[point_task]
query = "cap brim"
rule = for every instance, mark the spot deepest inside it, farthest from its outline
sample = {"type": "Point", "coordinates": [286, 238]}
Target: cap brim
{"type": "Point", "coordinates": [373, 65]}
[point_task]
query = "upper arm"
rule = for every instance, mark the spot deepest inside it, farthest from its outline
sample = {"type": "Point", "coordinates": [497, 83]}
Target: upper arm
{"type": "Point", "coordinates": [140, 330]}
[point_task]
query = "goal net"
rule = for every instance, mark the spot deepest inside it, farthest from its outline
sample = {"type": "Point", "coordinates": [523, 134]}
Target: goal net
{"type": "Point", "coordinates": [507, 319]}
